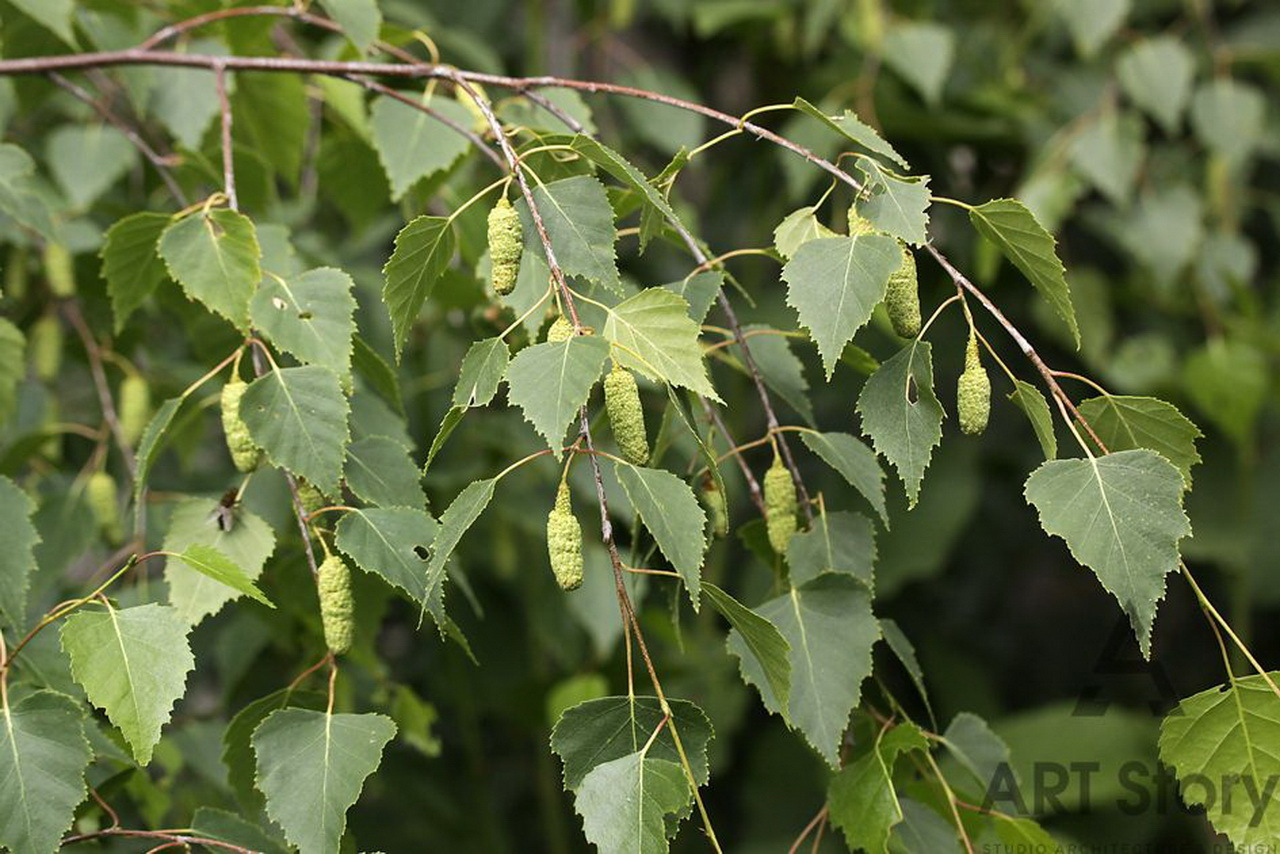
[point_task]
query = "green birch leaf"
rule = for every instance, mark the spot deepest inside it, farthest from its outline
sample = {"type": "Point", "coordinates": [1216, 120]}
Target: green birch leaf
{"type": "Point", "coordinates": [1121, 516]}
{"type": "Point", "coordinates": [672, 513]}
{"type": "Point", "coordinates": [1029, 399]}
{"type": "Point", "coordinates": [1156, 74]}
{"type": "Point", "coordinates": [1014, 230]}
{"type": "Point", "coordinates": [903, 650]}
{"type": "Point", "coordinates": [188, 101]}
{"type": "Point", "coordinates": [921, 53]}
{"type": "Point", "coordinates": [1123, 423]}
{"type": "Point", "coordinates": [230, 827]}
{"type": "Point", "coordinates": [839, 541]}
{"type": "Point", "coordinates": [551, 382]}
{"type": "Point", "coordinates": [901, 414]}
{"type": "Point", "coordinates": [272, 110]}
{"type": "Point", "coordinates": [1229, 117]}
{"type": "Point", "coordinates": [598, 731]}
{"type": "Point", "coordinates": [17, 560]}
{"type": "Point", "coordinates": [448, 424]}
{"type": "Point", "coordinates": [87, 159]}
{"type": "Point", "coordinates": [385, 541]}
{"type": "Point", "coordinates": [622, 169]}
{"type": "Point", "coordinates": [657, 338]}
{"type": "Point", "coordinates": [298, 416]}
{"type": "Point", "coordinates": [377, 371]}
{"type": "Point", "coordinates": [196, 522]}
{"type": "Point", "coordinates": [897, 205]}
{"type": "Point", "coordinates": [831, 630]}
{"type": "Point", "coordinates": [798, 228]}
{"type": "Point", "coordinates": [380, 471]}
{"type": "Point", "coordinates": [43, 757]}
{"type": "Point", "coordinates": [214, 255]}
{"type": "Point", "coordinates": [359, 19]}
{"type": "Point", "coordinates": [1108, 153]}
{"type": "Point", "coordinates": [834, 283]}
{"type": "Point", "coordinates": [481, 373]}
{"type": "Point", "coordinates": [923, 831]}
{"type": "Point", "coordinates": [862, 799]}
{"type": "Point", "coordinates": [982, 753]}
{"type": "Point", "coordinates": [853, 129]}
{"type": "Point", "coordinates": [1227, 736]}
{"type": "Point", "coordinates": [625, 804]}
{"type": "Point", "coordinates": [1023, 834]}
{"type": "Point", "coordinates": [756, 640]}
{"type": "Point", "coordinates": [237, 748]}
{"type": "Point", "coordinates": [153, 436]}
{"type": "Point", "coordinates": [54, 15]}
{"type": "Point", "coordinates": [413, 144]}
{"type": "Point", "coordinates": [1092, 22]}
{"type": "Point", "coordinates": [19, 196]}
{"type": "Point", "coordinates": [213, 564]}
{"type": "Point", "coordinates": [131, 263]}
{"type": "Point", "coordinates": [579, 222]}
{"type": "Point", "coordinates": [699, 290]}
{"type": "Point", "coordinates": [312, 766]}
{"type": "Point", "coordinates": [454, 522]}
{"type": "Point", "coordinates": [133, 664]}
{"type": "Point", "coordinates": [780, 368]}
{"type": "Point", "coordinates": [1227, 379]}
{"type": "Point", "coordinates": [423, 251]}
{"type": "Point", "coordinates": [311, 316]}
{"type": "Point", "coordinates": [855, 462]}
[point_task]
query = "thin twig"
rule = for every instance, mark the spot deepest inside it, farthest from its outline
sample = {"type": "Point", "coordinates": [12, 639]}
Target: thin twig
{"type": "Point", "coordinates": [228, 163]}
{"type": "Point", "coordinates": [753, 485]}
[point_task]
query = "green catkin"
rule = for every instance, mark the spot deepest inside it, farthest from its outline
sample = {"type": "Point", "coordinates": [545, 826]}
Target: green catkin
{"type": "Point", "coordinates": [337, 607]}
{"type": "Point", "coordinates": [564, 542]}
{"type": "Point", "coordinates": [973, 391]}
{"type": "Point", "coordinates": [780, 505]}
{"type": "Point", "coordinates": [717, 508]}
{"type": "Point", "coordinates": [859, 224]}
{"type": "Point", "coordinates": [100, 492]}
{"type": "Point", "coordinates": [15, 273]}
{"type": "Point", "coordinates": [51, 447]}
{"type": "Point", "coordinates": [626, 415]}
{"type": "Point", "coordinates": [311, 498]}
{"type": "Point", "coordinates": [245, 453]}
{"type": "Point", "coordinates": [59, 270]}
{"type": "Point", "coordinates": [560, 330]}
{"type": "Point", "coordinates": [505, 246]}
{"type": "Point", "coordinates": [45, 345]}
{"type": "Point", "coordinates": [135, 407]}
{"type": "Point", "coordinates": [902, 298]}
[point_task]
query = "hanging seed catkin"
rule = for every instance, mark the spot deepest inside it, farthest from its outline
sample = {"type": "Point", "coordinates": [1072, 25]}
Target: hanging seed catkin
{"type": "Point", "coordinates": [717, 508]}
{"type": "Point", "coordinates": [505, 246]}
{"type": "Point", "coordinates": [564, 542]}
{"type": "Point", "coordinates": [245, 453]}
{"type": "Point", "coordinates": [100, 492]}
{"type": "Point", "coordinates": [311, 498]}
{"type": "Point", "coordinates": [859, 224]}
{"type": "Point", "coordinates": [337, 607]}
{"type": "Point", "coordinates": [626, 415]}
{"type": "Point", "coordinates": [135, 407]}
{"type": "Point", "coordinates": [973, 391]}
{"type": "Point", "coordinates": [560, 330]}
{"type": "Point", "coordinates": [902, 298]}
{"type": "Point", "coordinates": [59, 270]}
{"type": "Point", "coordinates": [779, 505]}
{"type": "Point", "coordinates": [45, 345]}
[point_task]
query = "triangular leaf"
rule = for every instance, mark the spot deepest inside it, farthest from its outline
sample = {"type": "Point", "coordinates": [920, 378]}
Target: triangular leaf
{"type": "Point", "coordinates": [838, 541]}
{"type": "Point", "coordinates": [413, 144]}
{"type": "Point", "coordinates": [853, 129]}
{"type": "Point", "coordinates": [862, 798]}
{"type": "Point", "coordinates": [247, 543]}
{"type": "Point", "coordinates": [579, 223]}
{"type": "Point", "coordinates": [657, 338]}
{"type": "Point", "coordinates": [834, 283]}
{"type": "Point", "coordinates": [213, 564]}
{"type": "Point", "coordinates": [551, 382]}
{"type": "Point", "coordinates": [214, 255]}
{"type": "Point", "coordinates": [1029, 399]}
{"type": "Point", "coordinates": [131, 262]}
{"type": "Point", "coordinates": [897, 205]}
{"type": "Point", "coordinates": [855, 462]}
{"type": "Point", "coordinates": [481, 373]}
{"type": "Point", "coordinates": [312, 766]}
{"type": "Point", "coordinates": [423, 251]}
{"type": "Point", "coordinates": [757, 639]}
{"type": "Point", "coordinates": [17, 559]}
{"type": "Point", "coordinates": [133, 664]}
{"type": "Point", "coordinates": [1121, 516]}
{"type": "Point", "coordinates": [902, 415]}
{"type": "Point", "coordinates": [310, 315]}
{"type": "Point", "coordinates": [671, 512]}
{"type": "Point", "coordinates": [1014, 230]}
{"type": "Point", "coordinates": [386, 541]}
{"type": "Point", "coordinates": [298, 416]}
{"type": "Point", "coordinates": [625, 803]}
{"type": "Point", "coordinates": [379, 470]}
{"type": "Point", "coordinates": [237, 750]}
{"type": "Point", "coordinates": [43, 757]}
{"type": "Point", "coordinates": [1124, 423]}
